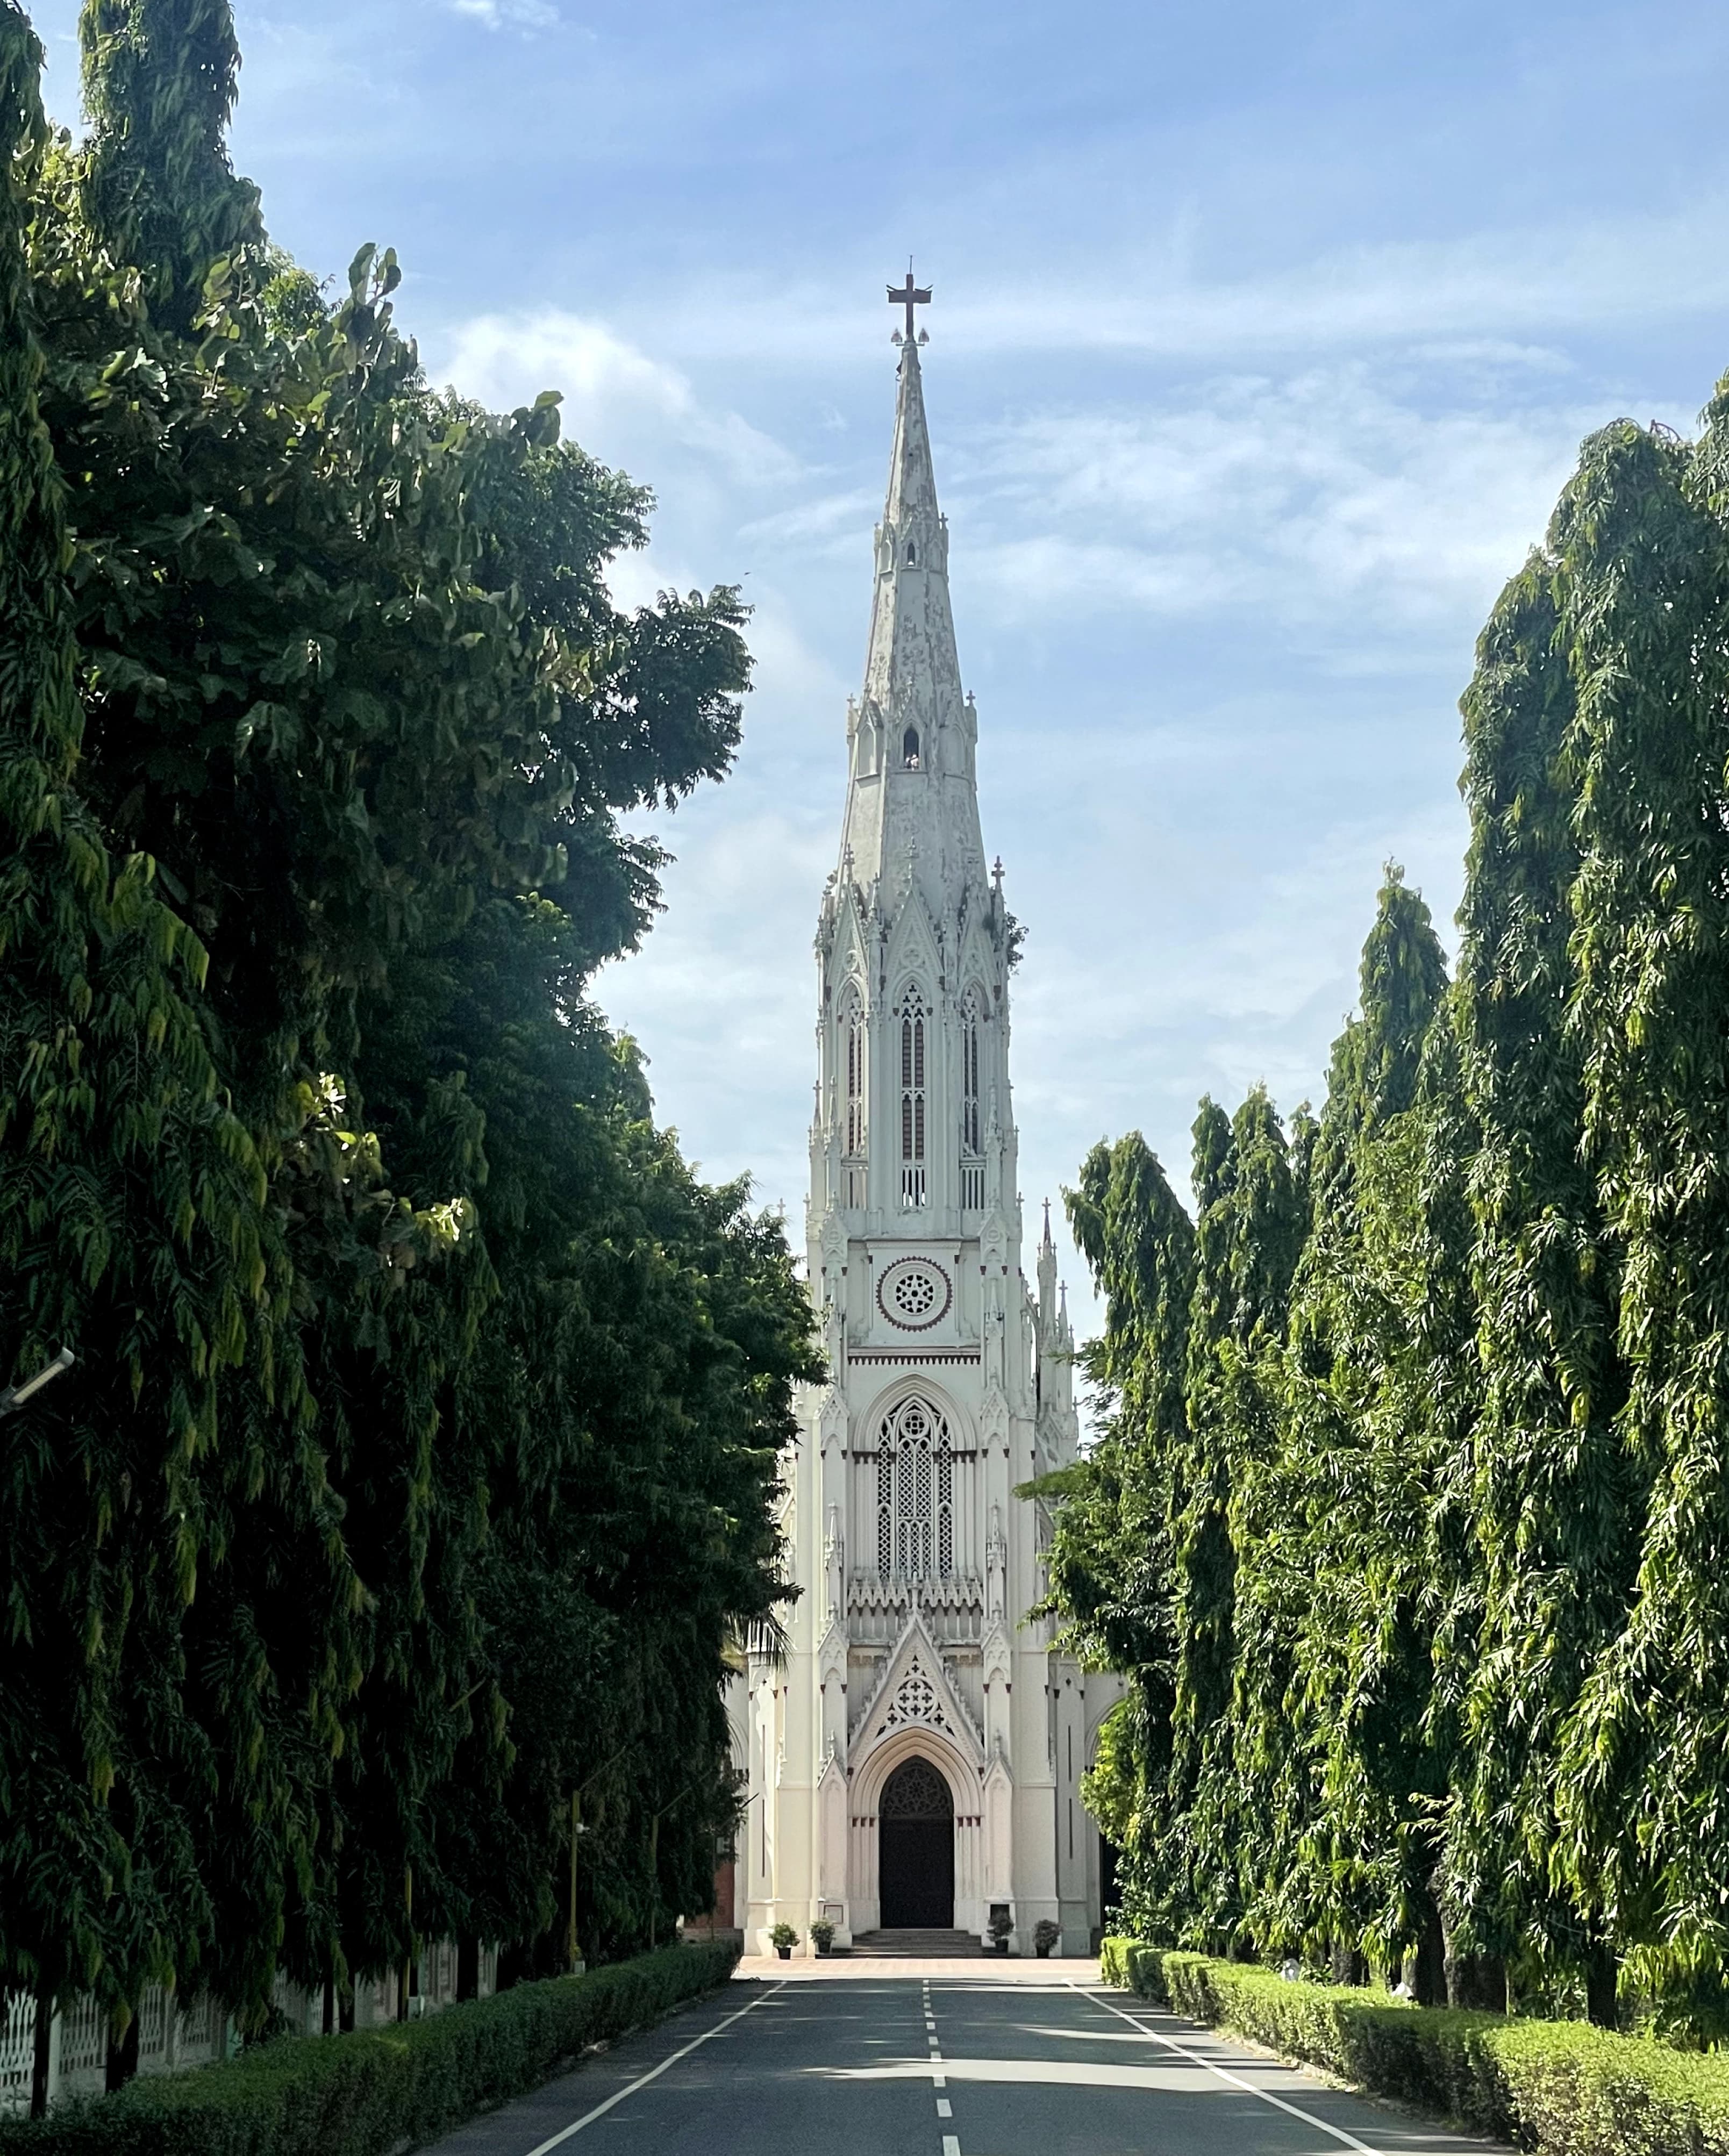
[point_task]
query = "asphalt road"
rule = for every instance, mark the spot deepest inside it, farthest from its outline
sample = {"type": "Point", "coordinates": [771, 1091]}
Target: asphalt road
{"type": "Point", "coordinates": [945, 2065]}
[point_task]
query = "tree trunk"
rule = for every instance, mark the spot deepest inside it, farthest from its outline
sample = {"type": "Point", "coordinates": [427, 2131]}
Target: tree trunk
{"type": "Point", "coordinates": [122, 2061]}
{"type": "Point", "coordinates": [1425, 1966]}
{"type": "Point", "coordinates": [573, 1944]}
{"type": "Point", "coordinates": [346, 2012]}
{"type": "Point", "coordinates": [468, 1966]}
{"type": "Point", "coordinates": [1477, 1981]}
{"type": "Point", "coordinates": [1349, 1966]}
{"type": "Point", "coordinates": [1600, 1974]}
{"type": "Point", "coordinates": [329, 2016]}
{"type": "Point", "coordinates": [39, 2057]}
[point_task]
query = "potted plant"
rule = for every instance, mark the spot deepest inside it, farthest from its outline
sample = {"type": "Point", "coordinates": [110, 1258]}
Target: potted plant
{"type": "Point", "coordinates": [1001, 1924]}
{"type": "Point", "coordinates": [1045, 1936]}
{"type": "Point", "coordinates": [822, 1934]}
{"type": "Point", "coordinates": [784, 1938]}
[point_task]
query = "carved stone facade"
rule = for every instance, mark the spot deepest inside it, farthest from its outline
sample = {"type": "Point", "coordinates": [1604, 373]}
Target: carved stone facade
{"type": "Point", "coordinates": [950, 1381]}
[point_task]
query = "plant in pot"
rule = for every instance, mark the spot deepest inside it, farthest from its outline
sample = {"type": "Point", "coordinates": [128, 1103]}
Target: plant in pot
{"type": "Point", "coordinates": [784, 1938]}
{"type": "Point", "coordinates": [1045, 1936]}
{"type": "Point", "coordinates": [1001, 1924]}
{"type": "Point", "coordinates": [822, 1935]}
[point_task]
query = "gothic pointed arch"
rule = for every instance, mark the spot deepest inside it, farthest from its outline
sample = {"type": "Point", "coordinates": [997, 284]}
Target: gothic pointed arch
{"type": "Point", "coordinates": [914, 946]}
{"type": "Point", "coordinates": [914, 1706]}
{"type": "Point", "coordinates": [853, 1064]}
{"type": "Point", "coordinates": [977, 1062]}
{"type": "Point", "coordinates": [917, 1460]}
{"type": "Point", "coordinates": [912, 1015]}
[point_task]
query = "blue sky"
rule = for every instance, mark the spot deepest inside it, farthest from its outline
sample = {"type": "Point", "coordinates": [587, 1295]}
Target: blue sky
{"type": "Point", "coordinates": [1264, 339]}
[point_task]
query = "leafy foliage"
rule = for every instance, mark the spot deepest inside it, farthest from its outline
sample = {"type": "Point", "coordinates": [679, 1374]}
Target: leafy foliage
{"type": "Point", "coordinates": [415, 1473]}
{"type": "Point", "coordinates": [1411, 1541]}
{"type": "Point", "coordinates": [364, 2093]}
{"type": "Point", "coordinates": [1560, 2089]}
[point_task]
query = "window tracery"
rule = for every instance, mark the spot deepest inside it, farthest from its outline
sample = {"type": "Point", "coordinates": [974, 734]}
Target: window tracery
{"type": "Point", "coordinates": [913, 1173]}
{"type": "Point", "coordinates": [972, 1169]}
{"type": "Point", "coordinates": [854, 1057]}
{"type": "Point", "coordinates": [915, 1494]}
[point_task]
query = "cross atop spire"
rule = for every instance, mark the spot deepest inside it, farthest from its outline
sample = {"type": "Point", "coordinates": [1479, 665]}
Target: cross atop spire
{"type": "Point", "coordinates": [909, 296]}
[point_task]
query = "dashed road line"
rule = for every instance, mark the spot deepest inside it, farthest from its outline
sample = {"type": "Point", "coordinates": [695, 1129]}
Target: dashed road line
{"type": "Point", "coordinates": [939, 2080]}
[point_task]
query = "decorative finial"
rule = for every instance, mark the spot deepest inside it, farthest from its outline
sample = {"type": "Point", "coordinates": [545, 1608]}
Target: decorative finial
{"type": "Point", "coordinates": [910, 295]}
{"type": "Point", "coordinates": [996, 875]}
{"type": "Point", "coordinates": [1047, 1224]}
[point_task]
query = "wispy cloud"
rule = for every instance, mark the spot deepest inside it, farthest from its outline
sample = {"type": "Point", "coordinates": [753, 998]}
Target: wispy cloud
{"type": "Point", "coordinates": [1295, 495]}
{"type": "Point", "coordinates": [512, 14]}
{"type": "Point", "coordinates": [609, 384]}
{"type": "Point", "coordinates": [1501, 288]}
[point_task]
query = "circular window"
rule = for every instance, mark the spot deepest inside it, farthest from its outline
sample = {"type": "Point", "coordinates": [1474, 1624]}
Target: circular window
{"type": "Point", "coordinates": [914, 1294]}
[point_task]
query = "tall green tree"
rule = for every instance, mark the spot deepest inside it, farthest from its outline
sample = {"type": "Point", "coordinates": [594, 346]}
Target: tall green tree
{"type": "Point", "coordinates": [404, 1332]}
{"type": "Point", "coordinates": [1551, 1490]}
{"type": "Point", "coordinates": [1642, 573]}
{"type": "Point", "coordinates": [1112, 1558]}
{"type": "Point", "coordinates": [132, 1224]}
{"type": "Point", "coordinates": [1380, 1328]}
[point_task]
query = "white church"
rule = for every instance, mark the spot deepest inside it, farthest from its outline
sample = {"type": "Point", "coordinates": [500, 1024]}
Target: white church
{"type": "Point", "coordinates": [914, 1757]}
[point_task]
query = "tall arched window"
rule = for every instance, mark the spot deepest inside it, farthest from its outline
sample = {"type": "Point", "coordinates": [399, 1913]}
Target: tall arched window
{"type": "Point", "coordinates": [915, 1494]}
{"type": "Point", "coordinates": [913, 1024]}
{"type": "Point", "coordinates": [853, 1044]}
{"type": "Point", "coordinates": [972, 1165]}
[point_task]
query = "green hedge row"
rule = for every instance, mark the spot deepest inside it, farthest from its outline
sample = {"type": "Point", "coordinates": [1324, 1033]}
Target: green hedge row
{"type": "Point", "coordinates": [378, 2089]}
{"type": "Point", "coordinates": [1560, 2087]}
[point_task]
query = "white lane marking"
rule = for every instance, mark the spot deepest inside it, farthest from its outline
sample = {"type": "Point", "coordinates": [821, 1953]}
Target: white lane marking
{"type": "Point", "coordinates": [951, 2144]}
{"type": "Point", "coordinates": [653, 2074]}
{"type": "Point", "coordinates": [1236, 2080]}
{"type": "Point", "coordinates": [945, 2109]}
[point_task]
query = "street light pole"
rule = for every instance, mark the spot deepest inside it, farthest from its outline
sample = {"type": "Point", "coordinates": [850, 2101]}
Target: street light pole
{"type": "Point", "coordinates": [14, 1396]}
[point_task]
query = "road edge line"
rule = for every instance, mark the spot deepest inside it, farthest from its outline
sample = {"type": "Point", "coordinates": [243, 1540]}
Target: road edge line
{"type": "Point", "coordinates": [1236, 2080]}
{"type": "Point", "coordinates": [653, 2073]}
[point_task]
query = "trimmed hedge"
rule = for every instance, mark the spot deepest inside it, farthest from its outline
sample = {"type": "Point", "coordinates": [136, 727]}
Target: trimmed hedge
{"type": "Point", "coordinates": [377, 2089]}
{"type": "Point", "coordinates": [1560, 2087]}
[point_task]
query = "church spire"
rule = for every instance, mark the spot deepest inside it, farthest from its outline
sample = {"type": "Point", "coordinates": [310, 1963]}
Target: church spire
{"type": "Point", "coordinates": [912, 477]}
{"type": "Point", "coordinates": [911, 794]}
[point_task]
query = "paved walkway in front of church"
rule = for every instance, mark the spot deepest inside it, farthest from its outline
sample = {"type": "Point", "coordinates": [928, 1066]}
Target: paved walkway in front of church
{"type": "Point", "coordinates": [943, 2058]}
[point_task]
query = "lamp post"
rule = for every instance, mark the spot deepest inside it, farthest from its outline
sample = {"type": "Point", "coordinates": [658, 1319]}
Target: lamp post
{"type": "Point", "coordinates": [654, 1861]}
{"type": "Point", "coordinates": [14, 1396]}
{"type": "Point", "coordinates": [573, 1949]}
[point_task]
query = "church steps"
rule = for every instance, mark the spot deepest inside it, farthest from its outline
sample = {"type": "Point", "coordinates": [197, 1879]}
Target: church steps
{"type": "Point", "coordinates": [909, 1944]}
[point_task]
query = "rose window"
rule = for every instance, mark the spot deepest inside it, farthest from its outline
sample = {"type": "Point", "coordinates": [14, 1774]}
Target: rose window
{"type": "Point", "coordinates": [914, 1294]}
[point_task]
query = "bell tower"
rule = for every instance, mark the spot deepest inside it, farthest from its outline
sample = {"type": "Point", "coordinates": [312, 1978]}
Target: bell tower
{"type": "Point", "coordinates": [918, 1748]}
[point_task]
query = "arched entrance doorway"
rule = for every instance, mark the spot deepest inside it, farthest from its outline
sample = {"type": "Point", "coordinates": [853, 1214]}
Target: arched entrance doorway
{"type": "Point", "coordinates": [916, 1848]}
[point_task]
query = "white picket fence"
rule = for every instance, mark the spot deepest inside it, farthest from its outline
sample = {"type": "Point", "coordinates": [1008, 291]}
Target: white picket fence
{"type": "Point", "coordinates": [171, 2040]}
